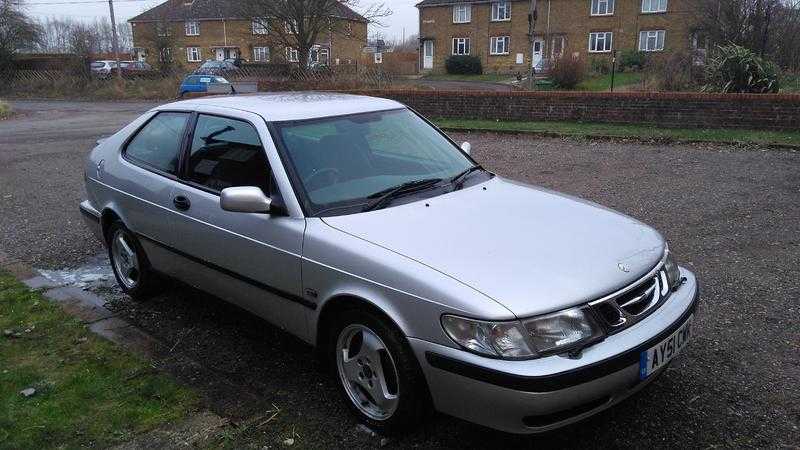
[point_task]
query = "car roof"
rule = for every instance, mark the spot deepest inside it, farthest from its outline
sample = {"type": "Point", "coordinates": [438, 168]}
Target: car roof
{"type": "Point", "coordinates": [281, 106]}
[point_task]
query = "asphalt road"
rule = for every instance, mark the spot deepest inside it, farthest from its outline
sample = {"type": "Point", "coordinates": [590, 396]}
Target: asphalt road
{"type": "Point", "coordinates": [731, 214]}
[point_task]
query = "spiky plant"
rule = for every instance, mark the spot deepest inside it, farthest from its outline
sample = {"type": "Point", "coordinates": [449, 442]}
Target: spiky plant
{"type": "Point", "coordinates": [732, 68]}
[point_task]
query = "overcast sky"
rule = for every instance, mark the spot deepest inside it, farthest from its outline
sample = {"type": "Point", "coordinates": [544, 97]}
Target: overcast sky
{"type": "Point", "coordinates": [405, 14]}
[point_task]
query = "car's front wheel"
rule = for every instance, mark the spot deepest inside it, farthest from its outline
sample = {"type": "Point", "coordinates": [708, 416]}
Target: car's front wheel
{"type": "Point", "coordinates": [129, 263]}
{"type": "Point", "coordinates": [377, 373]}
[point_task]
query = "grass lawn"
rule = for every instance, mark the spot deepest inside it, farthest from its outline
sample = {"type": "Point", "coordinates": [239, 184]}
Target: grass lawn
{"type": "Point", "coordinates": [638, 131]}
{"type": "Point", "coordinates": [491, 77]}
{"type": "Point", "coordinates": [89, 392]}
{"type": "Point", "coordinates": [599, 83]}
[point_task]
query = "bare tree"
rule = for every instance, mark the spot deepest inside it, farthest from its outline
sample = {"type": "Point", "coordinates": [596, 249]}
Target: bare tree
{"type": "Point", "coordinates": [299, 24]}
{"type": "Point", "coordinates": [767, 27]}
{"type": "Point", "coordinates": [17, 32]}
{"type": "Point", "coordinates": [83, 43]}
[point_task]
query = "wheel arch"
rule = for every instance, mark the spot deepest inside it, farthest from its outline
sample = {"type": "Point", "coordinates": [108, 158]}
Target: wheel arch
{"type": "Point", "coordinates": [107, 217]}
{"type": "Point", "coordinates": [343, 302]}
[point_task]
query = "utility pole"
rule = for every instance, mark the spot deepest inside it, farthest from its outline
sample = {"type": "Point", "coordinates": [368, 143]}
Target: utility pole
{"type": "Point", "coordinates": [115, 41]}
{"type": "Point", "coordinates": [532, 16]}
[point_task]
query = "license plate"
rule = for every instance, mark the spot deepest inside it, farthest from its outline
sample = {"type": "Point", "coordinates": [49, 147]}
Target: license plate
{"type": "Point", "coordinates": [660, 354]}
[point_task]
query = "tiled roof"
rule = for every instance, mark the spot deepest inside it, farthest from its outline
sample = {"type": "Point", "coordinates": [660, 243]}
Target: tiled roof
{"type": "Point", "coordinates": [451, 2]}
{"type": "Point", "coordinates": [181, 10]}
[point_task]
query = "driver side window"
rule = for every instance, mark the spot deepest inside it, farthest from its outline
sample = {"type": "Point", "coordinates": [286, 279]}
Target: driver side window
{"type": "Point", "coordinates": [158, 144]}
{"type": "Point", "coordinates": [227, 153]}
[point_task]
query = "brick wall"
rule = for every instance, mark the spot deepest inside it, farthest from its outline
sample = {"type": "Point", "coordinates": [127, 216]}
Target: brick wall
{"type": "Point", "coordinates": [688, 110]}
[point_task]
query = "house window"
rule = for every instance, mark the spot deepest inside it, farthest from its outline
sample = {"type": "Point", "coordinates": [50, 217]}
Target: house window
{"type": "Point", "coordinates": [260, 26]}
{"type": "Point", "coordinates": [654, 6]}
{"type": "Point", "coordinates": [557, 47]}
{"type": "Point", "coordinates": [600, 42]}
{"type": "Point", "coordinates": [193, 54]}
{"type": "Point", "coordinates": [165, 55]}
{"type": "Point", "coordinates": [292, 55]}
{"type": "Point", "coordinates": [602, 7]}
{"type": "Point", "coordinates": [378, 58]}
{"type": "Point", "coordinates": [498, 45]}
{"type": "Point", "coordinates": [192, 28]}
{"type": "Point", "coordinates": [261, 54]}
{"type": "Point", "coordinates": [462, 13]}
{"type": "Point", "coordinates": [501, 11]}
{"type": "Point", "coordinates": [651, 41]}
{"type": "Point", "coordinates": [162, 29]}
{"type": "Point", "coordinates": [461, 46]}
{"type": "Point", "coordinates": [291, 28]}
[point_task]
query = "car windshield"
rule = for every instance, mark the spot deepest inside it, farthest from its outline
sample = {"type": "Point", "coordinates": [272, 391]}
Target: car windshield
{"type": "Point", "coordinates": [342, 164]}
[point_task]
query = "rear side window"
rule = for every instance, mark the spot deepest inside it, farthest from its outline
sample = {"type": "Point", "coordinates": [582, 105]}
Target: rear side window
{"type": "Point", "coordinates": [227, 153]}
{"type": "Point", "coordinates": [159, 142]}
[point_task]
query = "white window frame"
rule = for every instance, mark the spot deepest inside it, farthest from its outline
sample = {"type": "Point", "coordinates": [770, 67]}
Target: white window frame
{"type": "Point", "coordinates": [163, 29]}
{"type": "Point", "coordinates": [494, 47]}
{"type": "Point", "coordinates": [197, 58]}
{"type": "Point", "coordinates": [659, 36]}
{"type": "Point", "coordinates": [261, 54]}
{"type": "Point", "coordinates": [290, 28]}
{"type": "Point", "coordinates": [462, 13]}
{"type": "Point", "coordinates": [506, 9]}
{"type": "Point", "coordinates": [606, 10]}
{"type": "Point", "coordinates": [607, 38]}
{"type": "Point", "coordinates": [292, 55]}
{"type": "Point", "coordinates": [461, 46]}
{"type": "Point", "coordinates": [192, 28]}
{"type": "Point", "coordinates": [260, 26]}
{"type": "Point", "coordinates": [654, 6]}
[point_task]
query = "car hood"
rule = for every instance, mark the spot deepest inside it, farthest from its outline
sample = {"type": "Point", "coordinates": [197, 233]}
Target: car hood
{"type": "Point", "coordinates": [531, 249]}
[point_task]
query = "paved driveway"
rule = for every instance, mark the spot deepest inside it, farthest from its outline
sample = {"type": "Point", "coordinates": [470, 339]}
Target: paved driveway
{"type": "Point", "coordinates": [731, 214]}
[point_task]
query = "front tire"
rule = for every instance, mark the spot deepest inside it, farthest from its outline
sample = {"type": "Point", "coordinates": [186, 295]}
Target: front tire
{"type": "Point", "coordinates": [376, 372]}
{"type": "Point", "coordinates": [129, 263]}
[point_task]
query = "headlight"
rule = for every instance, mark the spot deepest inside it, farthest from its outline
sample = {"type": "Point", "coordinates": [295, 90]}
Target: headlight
{"type": "Point", "coordinates": [673, 272]}
{"type": "Point", "coordinates": [499, 339]}
{"type": "Point", "coordinates": [552, 333]}
{"type": "Point", "coordinates": [563, 330]}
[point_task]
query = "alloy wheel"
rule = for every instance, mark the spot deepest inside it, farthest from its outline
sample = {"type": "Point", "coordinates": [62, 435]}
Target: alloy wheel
{"type": "Point", "coordinates": [124, 259]}
{"type": "Point", "coordinates": [367, 371]}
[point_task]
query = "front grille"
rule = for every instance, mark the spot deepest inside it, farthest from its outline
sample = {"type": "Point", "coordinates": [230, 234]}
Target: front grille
{"type": "Point", "coordinates": [633, 303]}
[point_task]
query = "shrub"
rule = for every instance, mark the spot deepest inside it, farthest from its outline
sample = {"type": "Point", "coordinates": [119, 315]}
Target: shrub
{"type": "Point", "coordinates": [600, 66]}
{"type": "Point", "coordinates": [5, 110]}
{"type": "Point", "coordinates": [633, 60]}
{"type": "Point", "coordinates": [464, 65]}
{"type": "Point", "coordinates": [673, 72]}
{"type": "Point", "coordinates": [567, 72]}
{"type": "Point", "coordinates": [732, 68]}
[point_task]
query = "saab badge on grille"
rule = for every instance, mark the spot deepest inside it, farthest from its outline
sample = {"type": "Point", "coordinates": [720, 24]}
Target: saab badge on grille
{"type": "Point", "coordinates": [624, 267]}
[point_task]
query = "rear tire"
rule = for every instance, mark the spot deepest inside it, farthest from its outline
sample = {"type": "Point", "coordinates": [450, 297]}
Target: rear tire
{"type": "Point", "coordinates": [129, 263]}
{"type": "Point", "coordinates": [376, 372]}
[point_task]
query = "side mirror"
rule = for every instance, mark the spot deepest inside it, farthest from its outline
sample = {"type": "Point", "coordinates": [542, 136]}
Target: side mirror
{"type": "Point", "coordinates": [466, 147]}
{"type": "Point", "coordinates": [245, 199]}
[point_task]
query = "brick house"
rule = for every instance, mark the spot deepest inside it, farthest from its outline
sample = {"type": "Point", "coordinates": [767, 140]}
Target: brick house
{"type": "Point", "coordinates": [200, 30]}
{"type": "Point", "coordinates": [497, 30]}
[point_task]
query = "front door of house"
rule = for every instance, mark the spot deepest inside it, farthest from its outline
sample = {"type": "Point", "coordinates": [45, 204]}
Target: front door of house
{"type": "Point", "coordinates": [538, 51]}
{"type": "Point", "coordinates": [427, 55]}
{"type": "Point", "coordinates": [220, 54]}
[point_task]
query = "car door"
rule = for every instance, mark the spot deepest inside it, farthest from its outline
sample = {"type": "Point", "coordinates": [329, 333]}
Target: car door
{"type": "Point", "coordinates": [252, 260]}
{"type": "Point", "coordinates": [144, 176]}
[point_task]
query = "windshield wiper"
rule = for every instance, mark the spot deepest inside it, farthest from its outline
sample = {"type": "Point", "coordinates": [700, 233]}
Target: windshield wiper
{"type": "Point", "coordinates": [381, 197]}
{"type": "Point", "coordinates": [458, 180]}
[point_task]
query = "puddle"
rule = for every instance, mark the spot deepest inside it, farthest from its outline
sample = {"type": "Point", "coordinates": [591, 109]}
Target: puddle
{"type": "Point", "coordinates": [95, 273]}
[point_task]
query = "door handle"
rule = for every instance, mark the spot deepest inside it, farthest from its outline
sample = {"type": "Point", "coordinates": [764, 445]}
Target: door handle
{"type": "Point", "coordinates": [181, 203]}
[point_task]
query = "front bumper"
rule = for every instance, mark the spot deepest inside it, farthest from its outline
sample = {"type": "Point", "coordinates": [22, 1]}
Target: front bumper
{"type": "Point", "coordinates": [91, 217]}
{"type": "Point", "coordinates": [547, 393]}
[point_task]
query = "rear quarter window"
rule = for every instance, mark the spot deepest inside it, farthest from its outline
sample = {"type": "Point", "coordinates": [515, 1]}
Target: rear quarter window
{"type": "Point", "coordinates": [157, 145]}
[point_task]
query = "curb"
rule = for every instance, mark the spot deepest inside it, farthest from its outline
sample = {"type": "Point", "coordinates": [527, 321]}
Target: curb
{"type": "Point", "coordinates": [615, 137]}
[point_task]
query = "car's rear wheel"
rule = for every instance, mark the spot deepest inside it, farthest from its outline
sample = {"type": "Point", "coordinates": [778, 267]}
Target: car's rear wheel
{"type": "Point", "coordinates": [129, 263]}
{"type": "Point", "coordinates": [377, 373]}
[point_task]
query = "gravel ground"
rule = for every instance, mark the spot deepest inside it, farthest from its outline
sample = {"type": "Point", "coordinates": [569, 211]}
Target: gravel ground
{"type": "Point", "coordinates": [730, 214]}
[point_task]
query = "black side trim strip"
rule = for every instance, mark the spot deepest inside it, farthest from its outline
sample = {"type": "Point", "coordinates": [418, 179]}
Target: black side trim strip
{"type": "Point", "coordinates": [89, 215]}
{"type": "Point", "coordinates": [560, 380]}
{"type": "Point", "coordinates": [255, 283]}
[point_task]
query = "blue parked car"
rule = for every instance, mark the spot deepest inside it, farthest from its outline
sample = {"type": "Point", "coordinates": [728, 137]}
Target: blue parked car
{"type": "Point", "coordinates": [203, 83]}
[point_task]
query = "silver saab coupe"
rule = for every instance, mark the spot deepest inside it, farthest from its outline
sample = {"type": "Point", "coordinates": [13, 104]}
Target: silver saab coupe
{"type": "Point", "coordinates": [425, 281]}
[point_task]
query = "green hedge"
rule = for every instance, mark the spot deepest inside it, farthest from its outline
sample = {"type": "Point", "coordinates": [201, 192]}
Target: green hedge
{"type": "Point", "coordinates": [464, 65]}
